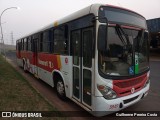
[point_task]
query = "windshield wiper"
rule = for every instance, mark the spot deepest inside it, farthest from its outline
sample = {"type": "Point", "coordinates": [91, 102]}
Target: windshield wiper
{"type": "Point", "coordinates": [121, 32]}
{"type": "Point", "coordinates": [119, 35]}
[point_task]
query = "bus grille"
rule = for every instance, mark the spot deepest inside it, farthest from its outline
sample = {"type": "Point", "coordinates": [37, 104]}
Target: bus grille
{"type": "Point", "coordinates": [124, 87]}
{"type": "Point", "coordinates": [129, 83]}
{"type": "Point", "coordinates": [130, 100]}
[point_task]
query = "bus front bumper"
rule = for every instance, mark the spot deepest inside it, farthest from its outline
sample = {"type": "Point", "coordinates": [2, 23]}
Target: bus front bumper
{"type": "Point", "coordinates": [103, 106]}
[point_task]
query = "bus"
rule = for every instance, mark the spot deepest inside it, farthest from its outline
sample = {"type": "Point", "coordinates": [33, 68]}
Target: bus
{"type": "Point", "coordinates": [98, 57]}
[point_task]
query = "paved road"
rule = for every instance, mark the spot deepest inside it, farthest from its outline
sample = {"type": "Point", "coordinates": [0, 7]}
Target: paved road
{"type": "Point", "coordinates": [150, 103]}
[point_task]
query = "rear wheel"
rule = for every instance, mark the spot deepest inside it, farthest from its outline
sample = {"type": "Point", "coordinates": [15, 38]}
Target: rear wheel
{"type": "Point", "coordinates": [24, 66]}
{"type": "Point", "coordinates": [60, 89]}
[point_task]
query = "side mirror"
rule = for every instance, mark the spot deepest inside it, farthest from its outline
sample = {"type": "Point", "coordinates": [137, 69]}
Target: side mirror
{"type": "Point", "coordinates": [102, 38]}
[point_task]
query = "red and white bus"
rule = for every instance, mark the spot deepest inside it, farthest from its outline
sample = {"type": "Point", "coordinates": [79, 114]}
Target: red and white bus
{"type": "Point", "coordinates": [97, 57]}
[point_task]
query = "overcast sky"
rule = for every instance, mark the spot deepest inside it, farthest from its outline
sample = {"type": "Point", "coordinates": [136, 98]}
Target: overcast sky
{"type": "Point", "coordinates": [35, 14]}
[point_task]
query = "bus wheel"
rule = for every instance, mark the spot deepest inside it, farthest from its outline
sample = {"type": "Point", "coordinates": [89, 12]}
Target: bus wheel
{"type": "Point", "coordinates": [24, 66]}
{"type": "Point", "coordinates": [60, 89]}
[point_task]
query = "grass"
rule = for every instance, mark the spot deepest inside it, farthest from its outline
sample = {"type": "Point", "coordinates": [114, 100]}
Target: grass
{"type": "Point", "coordinates": [16, 94]}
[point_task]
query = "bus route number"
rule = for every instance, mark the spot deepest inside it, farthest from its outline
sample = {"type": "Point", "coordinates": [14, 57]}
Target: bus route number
{"type": "Point", "coordinates": [113, 106]}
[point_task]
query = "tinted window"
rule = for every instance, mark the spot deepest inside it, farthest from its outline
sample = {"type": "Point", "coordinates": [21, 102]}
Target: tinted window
{"type": "Point", "coordinates": [41, 42]}
{"type": "Point", "coordinates": [121, 16]}
{"type": "Point", "coordinates": [46, 41]}
{"type": "Point", "coordinates": [29, 43]}
{"type": "Point", "coordinates": [35, 44]}
{"type": "Point", "coordinates": [76, 37]}
{"type": "Point", "coordinates": [18, 45]}
{"type": "Point", "coordinates": [25, 44]}
{"type": "Point", "coordinates": [87, 48]}
{"type": "Point", "coordinates": [22, 44]}
{"type": "Point", "coordinates": [61, 40]}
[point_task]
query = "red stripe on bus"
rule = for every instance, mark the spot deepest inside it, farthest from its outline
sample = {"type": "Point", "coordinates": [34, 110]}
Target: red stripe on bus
{"type": "Point", "coordinates": [48, 62]}
{"type": "Point", "coordinates": [127, 86]}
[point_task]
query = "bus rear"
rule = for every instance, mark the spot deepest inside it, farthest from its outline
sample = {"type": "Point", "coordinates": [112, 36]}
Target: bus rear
{"type": "Point", "coordinates": [122, 64]}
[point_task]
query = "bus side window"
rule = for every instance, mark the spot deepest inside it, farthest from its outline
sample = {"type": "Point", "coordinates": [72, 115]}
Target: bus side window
{"type": "Point", "coordinates": [29, 43]}
{"type": "Point", "coordinates": [22, 44]}
{"type": "Point", "coordinates": [25, 44]}
{"type": "Point", "coordinates": [41, 42]}
{"type": "Point", "coordinates": [19, 46]}
{"type": "Point", "coordinates": [46, 41]}
{"type": "Point", "coordinates": [61, 40]}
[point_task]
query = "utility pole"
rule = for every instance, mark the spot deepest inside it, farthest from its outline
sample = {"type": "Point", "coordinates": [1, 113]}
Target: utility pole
{"type": "Point", "coordinates": [12, 41]}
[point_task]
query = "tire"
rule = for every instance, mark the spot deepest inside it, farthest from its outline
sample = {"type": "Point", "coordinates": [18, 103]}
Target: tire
{"type": "Point", "coordinates": [60, 89]}
{"type": "Point", "coordinates": [24, 66]}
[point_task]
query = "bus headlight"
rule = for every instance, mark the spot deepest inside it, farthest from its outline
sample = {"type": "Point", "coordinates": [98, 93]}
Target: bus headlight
{"type": "Point", "coordinates": [107, 92]}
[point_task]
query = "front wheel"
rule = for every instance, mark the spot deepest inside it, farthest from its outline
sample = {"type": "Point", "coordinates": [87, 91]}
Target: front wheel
{"type": "Point", "coordinates": [60, 89]}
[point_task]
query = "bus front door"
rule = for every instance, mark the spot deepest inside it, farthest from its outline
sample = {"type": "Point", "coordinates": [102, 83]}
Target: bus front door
{"type": "Point", "coordinates": [82, 65]}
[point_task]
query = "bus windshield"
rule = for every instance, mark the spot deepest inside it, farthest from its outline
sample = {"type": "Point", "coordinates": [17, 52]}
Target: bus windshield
{"type": "Point", "coordinates": [121, 16]}
{"type": "Point", "coordinates": [126, 54]}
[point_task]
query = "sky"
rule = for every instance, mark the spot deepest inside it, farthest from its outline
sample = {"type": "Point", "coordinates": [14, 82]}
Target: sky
{"type": "Point", "coordinates": [35, 14]}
